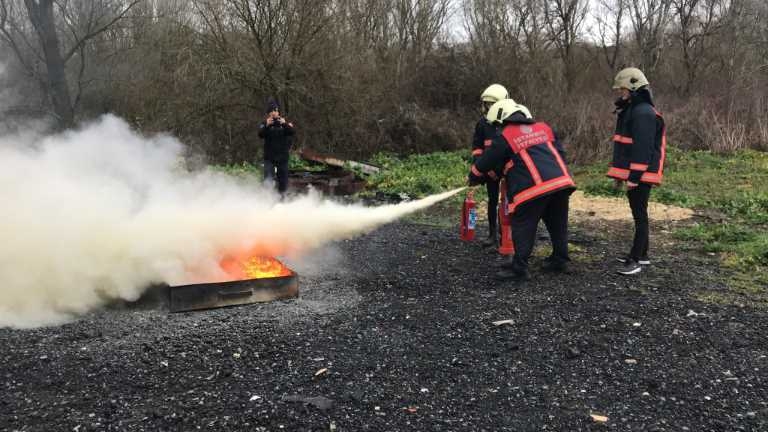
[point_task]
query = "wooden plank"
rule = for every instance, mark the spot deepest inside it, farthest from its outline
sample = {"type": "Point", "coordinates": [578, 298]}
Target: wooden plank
{"type": "Point", "coordinates": [332, 161]}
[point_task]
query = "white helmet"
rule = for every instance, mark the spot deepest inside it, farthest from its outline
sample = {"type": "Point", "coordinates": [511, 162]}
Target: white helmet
{"type": "Point", "coordinates": [504, 108]}
{"type": "Point", "coordinates": [494, 93]}
{"type": "Point", "coordinates": [630, 78]}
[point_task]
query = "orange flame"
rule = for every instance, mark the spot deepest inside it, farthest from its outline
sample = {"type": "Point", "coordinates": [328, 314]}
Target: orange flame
{"type": "Point", "coordinates": [253, 267]}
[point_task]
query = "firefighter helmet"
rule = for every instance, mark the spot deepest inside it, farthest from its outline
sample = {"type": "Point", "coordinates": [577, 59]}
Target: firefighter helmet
{"type": "Point", "coordinates": [494, 93]}
{"type": "Point", "coordinates": [504, 108]}
{"type": "Point", "coordinates": [522, 109]}
{"type": "Point", "coordinates": [631, 79]}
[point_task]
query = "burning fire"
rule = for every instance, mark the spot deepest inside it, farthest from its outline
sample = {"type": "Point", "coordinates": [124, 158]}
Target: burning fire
{"type": "Point", "coordinates": [253, 267]}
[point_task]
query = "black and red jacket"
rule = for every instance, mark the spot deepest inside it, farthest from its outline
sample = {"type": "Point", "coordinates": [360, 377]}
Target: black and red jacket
{"type": "Point", "coordinates": [533, 159]}
{"type": "Point", "coordinates": [640, 141]}
{"type": "Point", "coordinates": [481, 140]}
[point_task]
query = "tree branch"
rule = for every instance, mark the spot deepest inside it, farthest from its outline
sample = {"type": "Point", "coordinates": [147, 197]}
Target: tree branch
{"type": "Point", "coordinates": [94, 33]}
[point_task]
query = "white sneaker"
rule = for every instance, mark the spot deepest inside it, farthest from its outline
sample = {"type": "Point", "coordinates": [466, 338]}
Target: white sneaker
{"type": "Point", "coordinates": [630, 267]}
{"type": "Point", "coordinates": [641, 261]}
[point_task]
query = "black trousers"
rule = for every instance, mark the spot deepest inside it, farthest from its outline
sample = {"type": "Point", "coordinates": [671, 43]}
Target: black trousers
{"type": "Point", "coordinates": [638, 202]}
{"type": "Point", "coordinates": [492, 187]}
{"type": "Point", "coordinates": [281, 166]}
{"type": "Point", "coordinates": [553, 209]}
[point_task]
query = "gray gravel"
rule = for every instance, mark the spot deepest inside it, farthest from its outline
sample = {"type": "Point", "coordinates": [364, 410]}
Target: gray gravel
{"type": "Point", "coordinates": [402, 321]}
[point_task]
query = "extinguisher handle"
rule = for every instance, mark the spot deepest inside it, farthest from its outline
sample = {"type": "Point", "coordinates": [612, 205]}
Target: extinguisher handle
{"type": "Point", "coordinates": [471, 193]}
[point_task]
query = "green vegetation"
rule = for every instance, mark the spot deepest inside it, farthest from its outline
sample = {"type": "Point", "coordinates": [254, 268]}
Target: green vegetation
{"type": "Point", "coordinates": [295, 163]}
{"type": "Point", "coordinates": [421, 175]}
{"type": "Point", "coordinates": [245, 169]}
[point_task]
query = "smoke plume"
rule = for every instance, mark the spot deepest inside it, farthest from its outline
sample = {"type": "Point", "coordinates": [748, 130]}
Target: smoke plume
{"type": "Point", "coordinates": [102, 212]}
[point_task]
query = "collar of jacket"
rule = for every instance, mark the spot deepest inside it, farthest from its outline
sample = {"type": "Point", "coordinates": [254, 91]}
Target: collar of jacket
{"type": "Point", "coordinates": [518, 118]}
{"type": "Point", "coordinates": [637, 97]}
{"type": "Point", "coordinates": [642, 95]}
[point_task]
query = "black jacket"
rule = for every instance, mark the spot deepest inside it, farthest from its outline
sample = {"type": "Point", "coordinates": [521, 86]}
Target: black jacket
{"type": "Point", "coordinates": [481, 140]}
{"type": "Point", "coordinates": [277, 140]}
{"type": "Point", "coordinates": [484, 134]}
{"type": "Point", "coordinates": [532, 157]}
{"type": "Point", "coordinates": [639, 143]}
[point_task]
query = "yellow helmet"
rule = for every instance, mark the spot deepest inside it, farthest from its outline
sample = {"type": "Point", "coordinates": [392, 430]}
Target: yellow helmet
{"type": "Point", "coordinates": [504, 108]}
{"type": "Point", "coordinates": [630, 78]}
{"type": "Point", "coordinates": [494, 93]}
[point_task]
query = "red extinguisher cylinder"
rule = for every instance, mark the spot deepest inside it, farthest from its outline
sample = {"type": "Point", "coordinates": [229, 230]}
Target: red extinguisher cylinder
{"type": "Point", "coordinates": [506, 247]}
{"type": "Point", "coordinates": [468, 218]}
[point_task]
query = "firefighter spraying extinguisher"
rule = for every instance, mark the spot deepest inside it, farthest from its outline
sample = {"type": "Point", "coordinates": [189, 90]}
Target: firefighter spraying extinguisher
{"type": "Point", "coordinates": [468, 217]}
{"type": "Point", "coordinates": [538, 186]}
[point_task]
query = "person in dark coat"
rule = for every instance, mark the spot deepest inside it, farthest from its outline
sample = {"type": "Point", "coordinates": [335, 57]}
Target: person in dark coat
{"type": "Point", "coordinates": [481, 139]}
{"type": "Point", "coordinates": [639, 153]}
{"type": "Point", "coordinates": [539, 185]}
{"type": "Point", "coordinates": [277, 133]}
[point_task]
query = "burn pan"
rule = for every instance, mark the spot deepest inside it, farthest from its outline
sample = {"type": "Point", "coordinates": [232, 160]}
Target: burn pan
{"type": "Point", "coordinates": [200, 296]}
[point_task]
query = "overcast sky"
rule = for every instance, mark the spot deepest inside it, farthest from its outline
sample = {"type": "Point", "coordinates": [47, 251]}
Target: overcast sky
{"type": "Point", "coordinates": [457, 28]}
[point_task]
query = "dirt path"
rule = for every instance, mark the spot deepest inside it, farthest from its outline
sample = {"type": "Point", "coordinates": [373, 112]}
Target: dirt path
{"type": "Point", "coordinates": [589, 207]}
{"type": "Point", "coordinates": [403, 321]}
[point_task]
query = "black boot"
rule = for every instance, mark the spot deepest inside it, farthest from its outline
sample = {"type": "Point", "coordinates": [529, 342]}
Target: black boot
{"type": "Point", "coordinates": [507, 263]}
{"type": "Point", "coordinates": [493, 238]}
{"type": "Point", "coordinates": [513, 276]}
{"type": "Point", "coordinates": [554, 265]}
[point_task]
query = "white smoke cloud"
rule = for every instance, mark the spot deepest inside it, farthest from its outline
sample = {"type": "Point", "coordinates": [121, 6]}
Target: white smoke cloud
{"type": "Point", "coordinates": [102, 212]}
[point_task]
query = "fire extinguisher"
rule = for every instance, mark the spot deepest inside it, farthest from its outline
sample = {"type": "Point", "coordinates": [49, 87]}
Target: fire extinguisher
{"type": "Point", "coordinates": [468, 217]}
{"type": "Point", "coordinates": [506, 247]}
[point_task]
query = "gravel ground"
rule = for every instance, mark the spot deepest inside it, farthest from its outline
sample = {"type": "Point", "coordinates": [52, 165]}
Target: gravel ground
{"type": "Point", "coordinates": [395, 331]}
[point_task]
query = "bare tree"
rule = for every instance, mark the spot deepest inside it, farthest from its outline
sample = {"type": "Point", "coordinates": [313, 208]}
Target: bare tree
{"type": "Point", "coordinates": [414, 27]}
{"type": "Point", "coordinates": [564, 19]}
{"type": "Point", "coordinates": [510, 43]}
{"type": "Point", "coordinates": [269, 42]}
{"type": "Point", "coordinates": [650, 20]}
{"type": "Point", "coordinates": [380, 74]}
{"type": "Point", "coordinates": [16, 33]}
{"type": "Point", "coordinates": [698, 21]}
{"type": "Point", "coordinates": [497, 25]}
{"type": "Point", "coordinates": [534, 28]}
{"type": "Point", "coordinates": [609, 16]}
{"type": "Point", "coordinates": [42, 19]}
{"type": "Point", "coordinates": [496, 31]}
{"type": "Point", "coordinates": [63, 30]}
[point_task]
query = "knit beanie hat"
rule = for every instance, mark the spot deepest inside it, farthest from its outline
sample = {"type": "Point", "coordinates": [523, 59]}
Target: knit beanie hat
{"type": "Point", "coordinates": [272, 105]}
